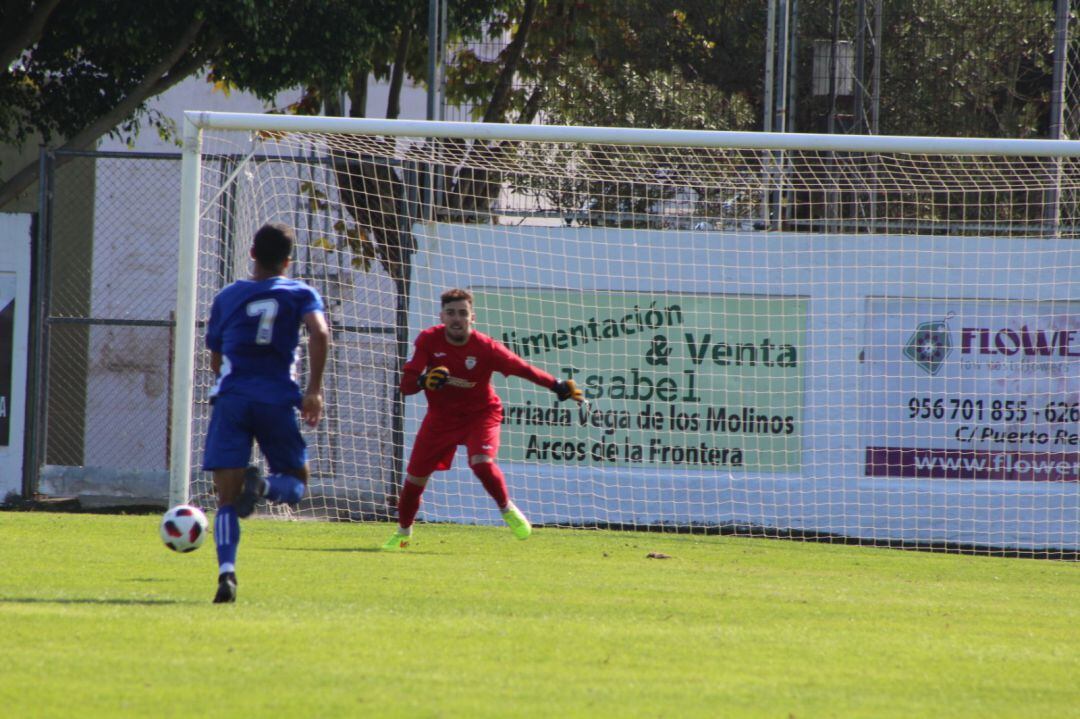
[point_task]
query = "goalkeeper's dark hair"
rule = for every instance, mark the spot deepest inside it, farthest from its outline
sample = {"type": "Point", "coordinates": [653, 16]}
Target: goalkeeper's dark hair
{"type": "Point", "coordinates": [273, 244]}
{"type": "Point", "coordinates": [456, 295]}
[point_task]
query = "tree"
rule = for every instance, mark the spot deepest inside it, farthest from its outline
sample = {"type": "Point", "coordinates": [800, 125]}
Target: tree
{"type": "Point", "coordinates": [689, 46]}
{"type": "Point", "coordinates": [946, 70]}
{"type": "Point", "coordinates": [78, 70]}
{"type": "Point", "coordinates": [951, 74]}
{"type": "Point", "coordinates": [608, 62]}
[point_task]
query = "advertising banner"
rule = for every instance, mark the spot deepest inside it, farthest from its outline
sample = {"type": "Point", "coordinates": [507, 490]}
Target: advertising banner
{"type": "Point", "coordinates": [15, 245]}
{"type": "Point", "coordinates": [977, 390]}
{"type": "Point", "coordinates": [7, 353]}
{"type": "Point", "coordinates": [674, 380]}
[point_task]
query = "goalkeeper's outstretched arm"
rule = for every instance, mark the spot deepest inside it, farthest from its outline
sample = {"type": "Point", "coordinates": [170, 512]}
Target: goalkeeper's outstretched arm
{"type": "Point", "coordinates": [564, 389]}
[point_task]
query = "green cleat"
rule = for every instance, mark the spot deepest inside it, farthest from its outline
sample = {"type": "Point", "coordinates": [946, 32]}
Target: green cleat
{"type": "Point", "coordinates": [397, 542]}
{"type": "Point", "coordinates": [517, 522]}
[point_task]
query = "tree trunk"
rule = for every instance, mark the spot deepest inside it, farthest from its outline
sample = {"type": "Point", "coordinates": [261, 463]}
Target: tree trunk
{"type": "Point", "coordinates": [375, 196]}
{"type": "Point", "coordinates": [397, 74]}
{"type": "Point", "coordinates": [331, 101]}
{"type": "Point", "coordinates": [551, 65]}
{"type": "Point", "coordinates": [23, 32]}
{"type": "Point", "coordinates": [476, 187]}
{"type": "Point", "coordinates": [358, 86]}
{"type": "Point", "coordinates": [500, 94]}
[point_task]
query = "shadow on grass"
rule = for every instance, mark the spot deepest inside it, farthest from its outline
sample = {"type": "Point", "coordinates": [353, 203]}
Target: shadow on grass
{"type": "Point", "coordinates": [132, 602]}
{"type": "Point", "coordinates": [364, 550]}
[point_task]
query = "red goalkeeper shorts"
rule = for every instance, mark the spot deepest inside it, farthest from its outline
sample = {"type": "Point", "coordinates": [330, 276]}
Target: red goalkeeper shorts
{"type": "Point", "coordinates": [439, 437]}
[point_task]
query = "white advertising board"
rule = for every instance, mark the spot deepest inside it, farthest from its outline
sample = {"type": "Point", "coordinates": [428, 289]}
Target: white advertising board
{"type": "Point", "coordinates": [15, 247]}
{"type": "Point", "coordinates": [987, 391]}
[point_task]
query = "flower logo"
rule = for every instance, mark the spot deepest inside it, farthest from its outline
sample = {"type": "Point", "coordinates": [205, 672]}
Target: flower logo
{"type": "Point", "coordinates": [929, 345]}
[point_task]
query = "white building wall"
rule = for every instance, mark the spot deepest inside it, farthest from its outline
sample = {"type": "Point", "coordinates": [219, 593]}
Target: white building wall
{"type": "Point", "coordinates": [134, 221]}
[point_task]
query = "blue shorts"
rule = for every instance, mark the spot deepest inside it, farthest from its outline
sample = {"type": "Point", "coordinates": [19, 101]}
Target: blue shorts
{"type": "Point", "coordinates": [236, 421]}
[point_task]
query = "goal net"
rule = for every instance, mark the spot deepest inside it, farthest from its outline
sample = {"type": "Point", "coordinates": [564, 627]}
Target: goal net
{"type": "Point", "coordinates": [845, 338]}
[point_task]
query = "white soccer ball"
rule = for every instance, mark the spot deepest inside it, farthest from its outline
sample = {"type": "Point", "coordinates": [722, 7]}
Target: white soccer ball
{"type": "Point", "coordinates": [183, 528]}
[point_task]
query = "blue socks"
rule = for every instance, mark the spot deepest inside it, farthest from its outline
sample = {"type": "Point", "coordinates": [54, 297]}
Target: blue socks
{"type": "Point", "coordinates": [227, 538]}
{"type": "Point", "coordinates": [279, 488]}
{"type": "Point", "coordinates": [284, 488]}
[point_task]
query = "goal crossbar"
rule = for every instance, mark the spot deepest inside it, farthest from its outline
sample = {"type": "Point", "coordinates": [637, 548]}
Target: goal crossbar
{"type": "Point", "coordinates": [636, 136]}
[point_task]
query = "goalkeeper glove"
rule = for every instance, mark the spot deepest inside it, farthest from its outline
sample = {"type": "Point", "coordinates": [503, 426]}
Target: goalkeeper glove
{"type": "Point", "coordinates": [567, 389]}
{"type": "Point", "coordinates": [434, 378]}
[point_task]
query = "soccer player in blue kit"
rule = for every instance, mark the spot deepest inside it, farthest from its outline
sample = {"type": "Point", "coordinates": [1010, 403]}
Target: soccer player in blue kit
{"type": "Point", "coordinates": [253, 336]}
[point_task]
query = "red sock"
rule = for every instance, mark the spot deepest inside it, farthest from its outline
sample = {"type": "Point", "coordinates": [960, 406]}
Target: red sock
{"type": "Point", "coordinates": [491, 477]}
{"type": "Point", "coordinates": [408, 503]}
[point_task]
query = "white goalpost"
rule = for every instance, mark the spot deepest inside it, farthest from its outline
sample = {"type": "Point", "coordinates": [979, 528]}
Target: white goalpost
{"type": "Point", "coordinates": [846, 338]}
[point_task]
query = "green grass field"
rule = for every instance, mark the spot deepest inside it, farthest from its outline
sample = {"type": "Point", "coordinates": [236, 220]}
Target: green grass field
{"type": "Point", "coordinates": [98, 619]}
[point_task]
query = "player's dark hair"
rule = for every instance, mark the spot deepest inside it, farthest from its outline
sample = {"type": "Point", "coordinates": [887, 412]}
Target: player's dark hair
{"type": "Point", "coordinates": [456, 295]}
{"type": "Point", "coordinates": [273, 244]}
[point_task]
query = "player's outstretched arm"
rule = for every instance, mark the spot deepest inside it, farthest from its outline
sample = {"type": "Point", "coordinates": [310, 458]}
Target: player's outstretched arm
{"type": "Point", "coordinates": [566, 389]}
{"type": "Point", "coordinates": [318, 347]}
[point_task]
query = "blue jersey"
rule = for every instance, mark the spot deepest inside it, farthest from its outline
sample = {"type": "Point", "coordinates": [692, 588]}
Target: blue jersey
{"type": "Point", "coordinates": [255, 326]}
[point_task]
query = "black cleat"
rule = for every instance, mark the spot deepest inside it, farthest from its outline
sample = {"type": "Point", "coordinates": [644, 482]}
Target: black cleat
{"type": "Point", "coordinates": [226, 589]}
{"type": "Point", "coordinates": [254, 489]}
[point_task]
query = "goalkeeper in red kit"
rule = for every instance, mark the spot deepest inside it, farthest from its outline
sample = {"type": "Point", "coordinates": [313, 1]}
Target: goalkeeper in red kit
{"type": "Point", "coordinates": [453, 363]}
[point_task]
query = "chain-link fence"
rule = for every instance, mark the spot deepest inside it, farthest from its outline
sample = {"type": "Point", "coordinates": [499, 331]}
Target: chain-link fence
{"type": "Point", "coordinates": [102, 389]}
{"type": "Point", "coordinates": [1070, 126]}
{"type": "Point", "coordinates": [108, 271]}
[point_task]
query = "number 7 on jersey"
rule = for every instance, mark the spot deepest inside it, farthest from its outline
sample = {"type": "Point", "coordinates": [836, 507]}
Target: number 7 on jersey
{"type": "Point", "coordinates": [267, 311]}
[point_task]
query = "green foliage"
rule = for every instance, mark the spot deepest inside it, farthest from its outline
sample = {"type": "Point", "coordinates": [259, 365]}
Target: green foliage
{"type": "Point", "coordinates": [351, 235]}
{"type": "Point", "coordinates": [948, 67]}
{"type": "Point", "coordinates": [721, 45]}
{"type": "Point", "coordinates": [88, 59]}
{"type": "Point", "coordinates": [627, 98]}
{"type": "Point", "coordinates": [91, 57]}
{"type": "Point", "coordinates": [466, 20]}
{"type": "Point", "coordinates": [671, 51]}
{"type": "Point", "coordinates": [952, 74]}
{"type": "Point", "coordinates": [292, 43]}
{"type": "Point", "coordinates": [683, 64]}
{"type": "Point", "coordinates": [944, 71]}
{"type": "Point", "coordinates": [99, 616]}
{"type": "Point", "coordinates": [393, 46]}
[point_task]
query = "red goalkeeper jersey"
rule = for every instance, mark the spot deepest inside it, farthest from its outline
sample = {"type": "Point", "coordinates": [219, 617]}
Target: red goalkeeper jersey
{"type": "Point", "coordinates": [471, 365]}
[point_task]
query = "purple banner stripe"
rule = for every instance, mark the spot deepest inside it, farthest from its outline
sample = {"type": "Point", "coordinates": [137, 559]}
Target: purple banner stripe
{"type": "Point", "coordinates": [1010, 466]}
